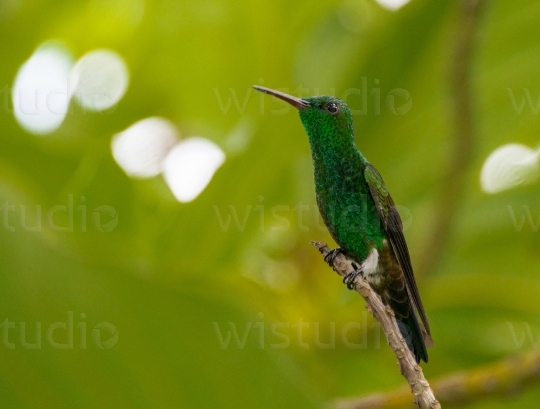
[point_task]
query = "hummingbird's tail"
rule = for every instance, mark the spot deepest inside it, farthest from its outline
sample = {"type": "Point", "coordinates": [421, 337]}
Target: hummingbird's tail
{"type": "Point", "coordinates": [396, 295]}
{"type": "Point", "coordinates": [414, 336]}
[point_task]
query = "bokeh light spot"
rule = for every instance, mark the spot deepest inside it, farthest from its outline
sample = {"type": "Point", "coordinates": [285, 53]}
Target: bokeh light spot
{"type": "Point", "coordinates": [100, 79]}
{"type": "Point", "coordinates": [354, 15]}
{"type": "Point", "coordinates": [190, 166]}
{"type": "Point", "coordinates": [509, 166]}
{"type": "Point", "coordinates": [141, 149]}
{"type": "Point", "coordinates": [40, 91]}
{"type": "Point", "coordinates": [239, 138]}
{"type": "Point", "coordinates": [392, 4]}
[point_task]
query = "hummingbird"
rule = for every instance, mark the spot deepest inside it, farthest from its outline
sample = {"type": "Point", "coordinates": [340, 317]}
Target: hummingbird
{"type": "Point", "coordinates": [360, 214]}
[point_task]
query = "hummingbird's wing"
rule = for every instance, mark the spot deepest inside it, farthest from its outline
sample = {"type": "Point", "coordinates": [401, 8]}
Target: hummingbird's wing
{"type": "Point", "coordinates": [394, 230]}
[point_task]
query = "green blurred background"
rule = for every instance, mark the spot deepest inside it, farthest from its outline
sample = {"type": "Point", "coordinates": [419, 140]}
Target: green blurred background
{"type": "Point", "coordinates": [170, 280]}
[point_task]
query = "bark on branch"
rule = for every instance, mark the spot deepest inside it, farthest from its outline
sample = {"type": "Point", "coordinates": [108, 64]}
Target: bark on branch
{"type": "Point", "coordinates": [423, 395]}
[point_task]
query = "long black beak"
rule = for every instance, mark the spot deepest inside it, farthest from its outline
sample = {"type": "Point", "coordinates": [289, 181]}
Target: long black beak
{"type": "Point", "coordinates": [298, 103]}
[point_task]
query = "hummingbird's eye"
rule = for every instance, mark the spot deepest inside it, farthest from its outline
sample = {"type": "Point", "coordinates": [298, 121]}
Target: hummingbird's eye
{"type": "Point", "coordinates": [332, 107]}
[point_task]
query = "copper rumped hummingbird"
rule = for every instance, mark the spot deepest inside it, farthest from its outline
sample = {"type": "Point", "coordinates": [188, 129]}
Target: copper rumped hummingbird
{"type": "Point", "coordinates": [360, 214]}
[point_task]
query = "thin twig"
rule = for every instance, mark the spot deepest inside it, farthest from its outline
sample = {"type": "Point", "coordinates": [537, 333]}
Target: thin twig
{"type": "Point", "coordinates": [506, 377]}
{"type": "Point", "coordinates": [469, 16]}
{"type": "Point", "coordinates": [423, 395]}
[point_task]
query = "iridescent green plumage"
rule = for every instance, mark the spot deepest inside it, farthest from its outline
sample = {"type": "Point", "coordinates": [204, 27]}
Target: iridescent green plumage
{"type": "Point", "coordinates": [360, 213]}
{"type": "Point", "coordinates": [343, 196]}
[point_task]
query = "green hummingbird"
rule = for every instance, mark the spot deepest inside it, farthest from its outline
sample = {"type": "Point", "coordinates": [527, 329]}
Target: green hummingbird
{"type": "Point", "coordinates": [360, 214]}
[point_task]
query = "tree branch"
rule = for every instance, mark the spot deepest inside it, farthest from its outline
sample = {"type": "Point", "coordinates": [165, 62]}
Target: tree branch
{"type": "Point", "coordinates": [423, 395]}
{"type": "Point", "coordinates": [506, 377]}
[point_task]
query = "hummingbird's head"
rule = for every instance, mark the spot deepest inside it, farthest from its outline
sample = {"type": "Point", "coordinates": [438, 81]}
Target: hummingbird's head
{"type": "Point", "coordinates": [326, 119]}
{"type": "Point", "coordinates": [325, 111]}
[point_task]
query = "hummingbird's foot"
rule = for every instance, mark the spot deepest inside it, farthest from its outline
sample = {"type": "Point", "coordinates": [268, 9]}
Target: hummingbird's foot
{"type": "Point", "coordinates": [350, 278]}
{"type": "Point", "coordinates": [331, 256]}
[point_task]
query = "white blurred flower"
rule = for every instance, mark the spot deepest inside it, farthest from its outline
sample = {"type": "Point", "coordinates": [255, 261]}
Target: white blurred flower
{"type": "Point", "coordinates": [190, 166]}
{"type": "Point", "coordinates": [509, 166]}
{"type": "Point", "coordinates": [100, 79]}
{"type": "Point", "coordinates": [141, 149]}
{"type": "Point", "coordinates": [40, 92]}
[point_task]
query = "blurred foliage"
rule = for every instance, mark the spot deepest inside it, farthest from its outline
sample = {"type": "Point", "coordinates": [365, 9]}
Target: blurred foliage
{"type": "Point", "coordinates": [169, 272]}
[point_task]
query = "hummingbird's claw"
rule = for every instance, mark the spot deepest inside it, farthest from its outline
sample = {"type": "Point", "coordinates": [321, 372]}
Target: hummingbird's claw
{"type": "Point", "coordinates": [331, 256]}
{"type": "Point", "coordinates": [350, 278]}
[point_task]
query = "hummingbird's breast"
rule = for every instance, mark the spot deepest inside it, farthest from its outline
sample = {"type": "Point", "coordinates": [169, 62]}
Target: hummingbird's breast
{"type": "Point", "coordinates": [347, 208]}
